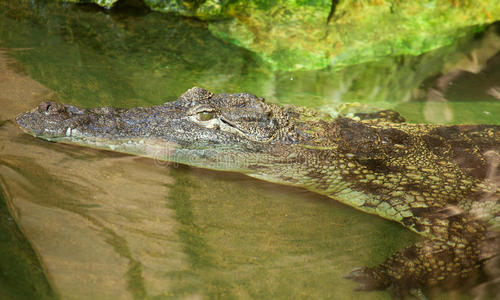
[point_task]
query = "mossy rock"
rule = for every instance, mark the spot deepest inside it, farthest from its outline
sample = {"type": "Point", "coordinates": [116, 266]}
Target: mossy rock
{"type": "Point", "coordinates": [294, 35]}
{"type": "Point", "coordinates": [314, 34]}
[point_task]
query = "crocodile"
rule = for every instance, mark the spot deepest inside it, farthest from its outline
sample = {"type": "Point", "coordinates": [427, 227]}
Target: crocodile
{"type": "Point", "coordinates": [439, 181]}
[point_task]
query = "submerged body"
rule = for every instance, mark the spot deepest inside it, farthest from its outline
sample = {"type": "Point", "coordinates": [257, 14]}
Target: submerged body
{"type": "Point", "coordinates": [439, 181]}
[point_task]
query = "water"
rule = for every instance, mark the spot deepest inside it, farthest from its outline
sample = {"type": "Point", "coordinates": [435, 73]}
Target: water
{"type": "Point", "coordinates": [104, 225]}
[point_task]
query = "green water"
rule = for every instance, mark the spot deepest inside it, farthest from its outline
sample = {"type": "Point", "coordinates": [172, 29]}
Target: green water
{"type": "Point", "coordinates": [105, 225]}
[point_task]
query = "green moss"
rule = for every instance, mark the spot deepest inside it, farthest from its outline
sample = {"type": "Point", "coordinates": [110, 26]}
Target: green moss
{"type": "Point", "coordinates": [360, 31]}
{"type": "Point", "coordinates": [299, 35]}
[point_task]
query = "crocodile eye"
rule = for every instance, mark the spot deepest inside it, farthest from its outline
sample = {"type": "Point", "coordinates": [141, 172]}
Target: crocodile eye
{"type": "Point", "coordinates": [206, 115]}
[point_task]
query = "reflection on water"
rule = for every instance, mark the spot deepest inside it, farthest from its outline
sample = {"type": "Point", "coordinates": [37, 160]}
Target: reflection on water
{"type": "Point", "coordinates": [107, 225]}
{"type": "Point", "coordinates": [91, 226]}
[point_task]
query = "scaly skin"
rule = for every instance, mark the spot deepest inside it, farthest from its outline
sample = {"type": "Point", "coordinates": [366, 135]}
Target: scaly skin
{"type": "Point", "coordinates": [439, 181]}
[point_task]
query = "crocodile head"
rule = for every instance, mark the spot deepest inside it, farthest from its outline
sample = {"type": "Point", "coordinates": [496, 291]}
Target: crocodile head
{"type": "Point", "coordinates": [218, 131]}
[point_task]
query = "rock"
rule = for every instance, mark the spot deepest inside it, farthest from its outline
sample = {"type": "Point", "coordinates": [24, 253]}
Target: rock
{"type": "Point", "coordinates": [294, 35]}
{"type": "Point", "coordinates": [305, 35]}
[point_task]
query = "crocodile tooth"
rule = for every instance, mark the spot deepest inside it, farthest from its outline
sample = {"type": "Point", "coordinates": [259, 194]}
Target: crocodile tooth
{"type": "Point", "coordinates": [68, 131]}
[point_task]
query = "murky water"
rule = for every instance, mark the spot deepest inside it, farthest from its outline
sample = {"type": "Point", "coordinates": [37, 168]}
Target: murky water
{"type": "Point", "coordinates": [103, 225]}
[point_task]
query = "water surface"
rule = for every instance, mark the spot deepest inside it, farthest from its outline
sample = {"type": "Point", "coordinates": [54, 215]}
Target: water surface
{"type": "Point", "coordinates": [104, 225]}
